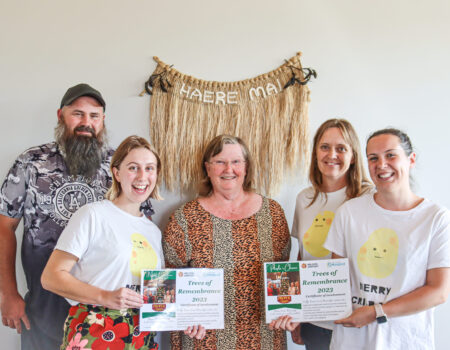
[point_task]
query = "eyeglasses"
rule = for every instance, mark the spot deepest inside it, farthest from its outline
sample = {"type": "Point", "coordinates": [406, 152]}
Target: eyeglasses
{"type": "Point", "coordinates": [236, 163]}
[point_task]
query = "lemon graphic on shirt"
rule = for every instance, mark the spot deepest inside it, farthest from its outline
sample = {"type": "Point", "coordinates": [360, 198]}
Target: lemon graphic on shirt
{"type": "Point", "coordinates": [317, 233]}
{"type": "Point", "coordinates": [377, 257]}
{"type": "Point", "coordinates": [143, 256]}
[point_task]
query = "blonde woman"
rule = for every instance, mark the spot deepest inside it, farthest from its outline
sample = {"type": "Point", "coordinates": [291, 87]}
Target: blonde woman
{"type": "Point", "coordinates": [336, 175]}
{"type": "Point", "coordinates": [97, 261]}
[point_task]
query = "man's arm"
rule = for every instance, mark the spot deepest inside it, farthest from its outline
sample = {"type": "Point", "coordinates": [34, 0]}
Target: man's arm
{"type": "Point", "coordinates": [12, 305]}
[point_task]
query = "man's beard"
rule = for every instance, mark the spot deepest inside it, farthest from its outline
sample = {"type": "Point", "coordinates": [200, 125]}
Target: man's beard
{"type": "Point", "coordinates": [83, 154]}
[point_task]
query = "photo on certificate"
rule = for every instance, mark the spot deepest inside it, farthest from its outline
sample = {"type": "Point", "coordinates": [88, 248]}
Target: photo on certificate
{"type": "Point", "coordinates": [159, 288]}
{"type": "Point", "coordinates": [175, 299]}
{"type": "Point", "coordinates": [313, 290]}
{"type": "Point", "coordinates": [283, 283]}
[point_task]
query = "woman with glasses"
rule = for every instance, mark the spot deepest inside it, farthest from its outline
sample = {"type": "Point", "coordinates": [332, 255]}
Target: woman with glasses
{"type": "Point", "coordinates": [231, 227]}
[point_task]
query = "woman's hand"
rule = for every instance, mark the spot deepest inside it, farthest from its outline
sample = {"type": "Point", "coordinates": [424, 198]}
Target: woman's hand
{"type": "Point", "coordinates": [122, 298]}
{"type": "Point", "coordinates": [359, 318]}
{"type": "Point", "coordinates": [434, 292]}
{"type": "Point", "coordinates": [283, 322]}
{"type": "Point", "coordinates": [297, 336]}
{"type": "Point", "coordinates": [197, 332]}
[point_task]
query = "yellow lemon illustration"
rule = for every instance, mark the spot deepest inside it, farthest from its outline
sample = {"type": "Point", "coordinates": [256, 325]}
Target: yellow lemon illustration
{"type": "Point", "coordinates": [378, 256]}
{"type": "Point", "coordinates": [143, 256]}
{"type": "Point", "coordinates": [317, 233]}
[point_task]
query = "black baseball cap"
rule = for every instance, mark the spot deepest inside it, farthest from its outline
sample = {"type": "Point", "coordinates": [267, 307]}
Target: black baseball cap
{"type": "Point", "coordinates": [81, 90]}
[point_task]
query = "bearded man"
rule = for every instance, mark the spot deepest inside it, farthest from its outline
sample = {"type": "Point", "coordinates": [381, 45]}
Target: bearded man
{"type": "Point", "coordinates": [45, 186]}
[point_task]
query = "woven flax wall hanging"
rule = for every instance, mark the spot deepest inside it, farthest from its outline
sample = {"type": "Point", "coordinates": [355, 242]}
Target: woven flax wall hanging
{"type": "Point", "coordinates": [269, 112]}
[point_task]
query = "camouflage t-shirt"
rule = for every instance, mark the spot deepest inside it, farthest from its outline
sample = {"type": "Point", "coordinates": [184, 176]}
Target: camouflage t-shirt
{"type": "Point", "coordinates": [39, 188]}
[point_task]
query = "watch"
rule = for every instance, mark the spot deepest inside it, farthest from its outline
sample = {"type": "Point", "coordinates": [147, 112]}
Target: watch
{"type": "Point", "coordinates": [380, 315]}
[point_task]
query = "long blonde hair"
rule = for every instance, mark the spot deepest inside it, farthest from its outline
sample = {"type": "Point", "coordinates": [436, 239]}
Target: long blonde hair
{"type": "Point", "coordinates": [357, 181]}
{"type": "Point", "coordinates": [127, 145]}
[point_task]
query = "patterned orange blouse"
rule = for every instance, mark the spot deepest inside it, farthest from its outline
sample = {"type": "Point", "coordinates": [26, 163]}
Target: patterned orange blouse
{"type": "Point", "coordinates": [197, 238]}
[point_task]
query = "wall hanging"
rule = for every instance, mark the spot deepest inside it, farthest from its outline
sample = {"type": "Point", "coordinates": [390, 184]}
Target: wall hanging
{"type": "Point", "coordinates": [269, 112]}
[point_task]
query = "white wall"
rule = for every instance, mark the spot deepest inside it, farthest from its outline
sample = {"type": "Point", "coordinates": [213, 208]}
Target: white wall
{"type": "Point", "coordinates": [379, 63]}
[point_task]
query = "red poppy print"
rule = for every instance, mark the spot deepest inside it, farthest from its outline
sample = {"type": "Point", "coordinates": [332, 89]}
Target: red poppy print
{"type": "Point", "coordinates": [109, 336]}
{"type": "Point", "coordinates": [138, 336]}
{"type": "Point", "coordinates": [76, 323]}
{"type": "Point", "coordinates": [73, 310]}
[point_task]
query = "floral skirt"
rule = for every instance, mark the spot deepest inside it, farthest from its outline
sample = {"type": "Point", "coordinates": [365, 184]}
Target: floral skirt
{"type": "Point", "coordinates": [94, 327]}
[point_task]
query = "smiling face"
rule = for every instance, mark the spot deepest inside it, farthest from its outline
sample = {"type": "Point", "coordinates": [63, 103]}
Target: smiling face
{"type": "Point", "coordinates": [227, 169]}
{"type": "Point", "coordinates": [378, 256]}
{"type": "Point", "coordinates": [143, 256]}
{"type": "Point", "coordinates": [334, 156]}
{"type": "Point", "coordinates": [317, 234]}
{"type": "Point", "coordinates": [137, 175]}
{"type": "Point", "coordinates": [389, 166]}
{"type": "Point", "coordinates": [84, 117]}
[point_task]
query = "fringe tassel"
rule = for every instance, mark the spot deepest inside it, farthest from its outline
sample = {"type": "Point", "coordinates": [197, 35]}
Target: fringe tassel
{"type": "Point", "coordinates": [269, 112]}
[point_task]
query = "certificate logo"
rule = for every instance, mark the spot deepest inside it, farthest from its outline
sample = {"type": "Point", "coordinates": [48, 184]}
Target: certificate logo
{"type": "Point", "coordinates": [310, 265]}
{"type": "Point", "coordinates": [158, 307]}
{"type": "Point", "coordinates": [284, 299]}
{"type": "Point", "coordinates": [186, 274]}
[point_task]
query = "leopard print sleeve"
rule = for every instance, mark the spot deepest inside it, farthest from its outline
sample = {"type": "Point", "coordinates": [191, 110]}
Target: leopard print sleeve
{"type": "Point", "coordinates": [177, 253]}
{"type": "Point", "coordinates": [280, 232]}
{"type": "Point", "coordinates": [176, 245]}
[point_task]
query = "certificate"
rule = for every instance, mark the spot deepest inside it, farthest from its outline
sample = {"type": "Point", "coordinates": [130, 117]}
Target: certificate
{"type": "Point", "coordinates": [312, 290]}
{"type": "Point", "coordinates": [175, 299]}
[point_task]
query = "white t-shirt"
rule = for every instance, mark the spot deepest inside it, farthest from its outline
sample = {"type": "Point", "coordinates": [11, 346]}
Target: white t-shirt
{"type": "Point", "coordinates": [389, 253]}
{"type": "Point", "coordinates": [311, 226]}
{"type": "Point", "coordinates": [112, 246]}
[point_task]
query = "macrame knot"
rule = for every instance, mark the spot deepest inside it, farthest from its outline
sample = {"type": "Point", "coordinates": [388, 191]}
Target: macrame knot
{"type": "Point", "coordinates": [157, 79]}
{"type": "Point", "coordinates": [307, 72]}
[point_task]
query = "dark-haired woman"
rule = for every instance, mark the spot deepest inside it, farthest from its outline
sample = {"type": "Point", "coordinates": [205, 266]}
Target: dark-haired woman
{"type": "Point", "coordinates": [398, 245]}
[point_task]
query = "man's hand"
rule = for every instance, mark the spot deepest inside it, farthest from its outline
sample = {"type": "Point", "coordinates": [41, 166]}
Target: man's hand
{"type": "Point", "coordinates": [12, 305]}
{"type": "Point", "coordinates": [13, 312]}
